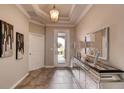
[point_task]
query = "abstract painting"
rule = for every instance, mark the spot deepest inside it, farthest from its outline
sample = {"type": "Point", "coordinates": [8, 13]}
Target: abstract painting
{"type": "Point", "coordinates": [19, 45]}
{"type": "Point", "coordinates": [6, 39]}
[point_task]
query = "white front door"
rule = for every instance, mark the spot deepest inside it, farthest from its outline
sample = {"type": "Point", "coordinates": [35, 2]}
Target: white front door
{"type": "Point", "coordinates": [61, 48]}
{"type": "Point", "coordinates": [36, 51]}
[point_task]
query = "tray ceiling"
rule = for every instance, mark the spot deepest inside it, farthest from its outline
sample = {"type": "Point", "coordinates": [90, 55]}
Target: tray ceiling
{"type": "Point", "coordinates": [70, 14]}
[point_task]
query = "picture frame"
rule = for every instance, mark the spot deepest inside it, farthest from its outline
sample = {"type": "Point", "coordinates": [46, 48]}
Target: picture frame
{"type": "Point", "coordinates": [19, 45]}
{"type": "Point", "coordinates": [6, 39]}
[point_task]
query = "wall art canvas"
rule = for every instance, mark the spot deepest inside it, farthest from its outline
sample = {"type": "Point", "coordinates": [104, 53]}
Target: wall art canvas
{"type": "Point", "coordinates": [6, 39]}
{"type": "Point", "coordinates": [19, 45]}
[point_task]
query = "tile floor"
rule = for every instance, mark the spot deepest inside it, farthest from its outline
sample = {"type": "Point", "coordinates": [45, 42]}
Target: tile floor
{"type": "Point", "coordinates": [49, 78]}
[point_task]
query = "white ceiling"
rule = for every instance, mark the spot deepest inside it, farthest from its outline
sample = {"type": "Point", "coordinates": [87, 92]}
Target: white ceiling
{"type": "Point", "coordinates": [70, 14]}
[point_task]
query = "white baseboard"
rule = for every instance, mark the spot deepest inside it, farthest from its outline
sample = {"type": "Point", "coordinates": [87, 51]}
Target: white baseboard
{"type": "Point", "coordinates": [19, 81]}
{"type": "Point", "coordinates": [56, 66]}
{"type": "Point", "coordinates": [49, 66]}
{"type": "Point", "coordinates": [35, 68]}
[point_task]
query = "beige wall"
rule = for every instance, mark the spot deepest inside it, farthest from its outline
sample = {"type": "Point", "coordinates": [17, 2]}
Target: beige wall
{"type": "Point", "coordinates": [35, 28]}
{"type": "Point", "coordinates": [12, 70]}
{"type": "Point", "coordinates": [106, 15]}
{"type": "Point", "coordinates": [49, 54]}
{"type": "Point", "coordinates": [49, 40]}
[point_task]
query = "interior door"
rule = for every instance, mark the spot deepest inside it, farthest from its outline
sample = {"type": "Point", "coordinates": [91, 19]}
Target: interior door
{"type": "Point", "coordinates": [61, 48]}
{"type": "Point", "coordinates": [36, 51]}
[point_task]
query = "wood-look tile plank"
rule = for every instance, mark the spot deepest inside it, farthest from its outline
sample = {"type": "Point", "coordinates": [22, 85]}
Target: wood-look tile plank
{"type": "Point", "coordinates": [48, 78]}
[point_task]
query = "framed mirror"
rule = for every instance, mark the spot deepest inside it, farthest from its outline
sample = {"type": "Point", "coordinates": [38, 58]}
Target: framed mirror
{"type": "Point", "coordinates": [98, 41]}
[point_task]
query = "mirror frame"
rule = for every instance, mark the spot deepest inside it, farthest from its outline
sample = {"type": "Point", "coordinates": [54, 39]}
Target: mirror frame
{"type": "Point", "coordinates": [106, 58]}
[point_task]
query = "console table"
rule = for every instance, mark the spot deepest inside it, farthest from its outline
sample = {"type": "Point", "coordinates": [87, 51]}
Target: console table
{"type": "Point", "coordinates": [100, 76]}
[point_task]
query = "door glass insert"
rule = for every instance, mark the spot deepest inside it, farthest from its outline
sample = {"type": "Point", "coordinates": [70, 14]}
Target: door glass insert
{"type": "Point", "coordinates": [61, 45]}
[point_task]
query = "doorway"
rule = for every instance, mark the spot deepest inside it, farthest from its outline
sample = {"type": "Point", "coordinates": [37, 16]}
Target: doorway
{"type": "Point", "coordinates": [61, 45]}
{"type": "Point", "coordinates": [36, 51]}
{"type": "Point", "coordinates": [61, 48]}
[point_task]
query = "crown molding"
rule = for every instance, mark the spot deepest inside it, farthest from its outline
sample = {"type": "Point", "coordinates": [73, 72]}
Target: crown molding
{"type": "Point", "coordinates": [59, 25]}
{"type": "Point", "coordinates": [36, 7]}
{"type": "Point", "coordinates": [36, 22]}
{"type": "Point", "coordinates": [71, 11]}
{"type": "Point", "coordinates": [64, 18]}
{"type": "Point", "coordinates": [40, 12]}
{"type": "Point", "coordinates": [46, 16]}
{"type": "Point", "coordinates": [64, 22]}
{"type": "Point", "coordinates": [83, 14]}
{"type": "Point", "coordinates": [23, 11]}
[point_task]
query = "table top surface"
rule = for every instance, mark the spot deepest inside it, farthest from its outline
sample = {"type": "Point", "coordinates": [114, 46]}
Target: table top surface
{"type": "Point", "coordinates": [101, 68]}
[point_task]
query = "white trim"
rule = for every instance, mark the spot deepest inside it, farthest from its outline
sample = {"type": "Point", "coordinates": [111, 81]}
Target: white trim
{"type": "Point", "coordinates": [36, 22]}
{"type": "Point", "coordinates": [67, 46]}
{"type": "Point", "coordinates": [63, 22]}
{"type": "Point", "coordinates": [38, 35]}
{"type": "Point", "coordinates": [64, 18]}
{"type": "Point", "coordinates": [83, 13]}
{"type": "Point", "coordinates": [19, 81]}
{"type": "Point", "coordinates": [23, 11]}
{"type": "Point", "coordinates": [45, 16]}
{"type": "Point", "coordinates": [35, 34]}
{"type": "Point", "coordinates": [49, 66]}
{"type": "Point", "coordinates": [59, 25]}
{"type": "Point", "coordinates": [39, 11]}
{"type": "Point", "coordinates": [71, 11]}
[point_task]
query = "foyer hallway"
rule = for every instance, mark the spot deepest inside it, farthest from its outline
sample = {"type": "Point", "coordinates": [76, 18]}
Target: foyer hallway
{"type": "Point", "coordinates": [49, 78]}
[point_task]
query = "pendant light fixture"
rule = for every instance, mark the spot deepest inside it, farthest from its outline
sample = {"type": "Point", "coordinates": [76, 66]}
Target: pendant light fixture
{"type": "Point", "coordinates": [54, 14]}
